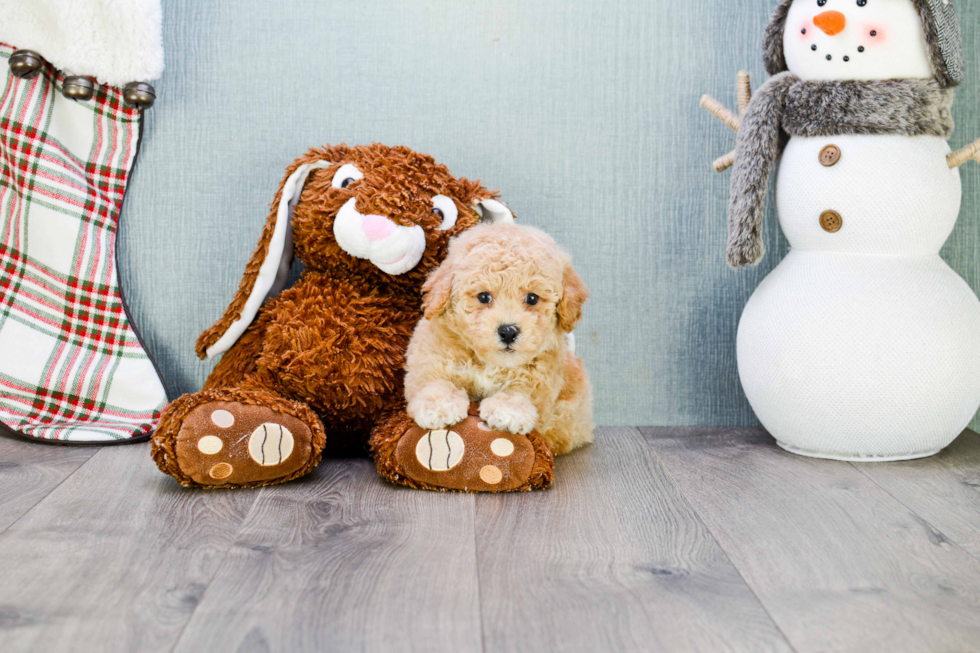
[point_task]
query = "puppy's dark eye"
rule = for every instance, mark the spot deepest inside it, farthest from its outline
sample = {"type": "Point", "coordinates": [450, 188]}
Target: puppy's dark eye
{"type": "Point", "coordinates": [531, 299]}
{"type": "Point", "coordinates": [347, 182]}
{"type": "Point", "coordinates": [437, 211]}
{"type": "Point", "coordinates": [485, 297]}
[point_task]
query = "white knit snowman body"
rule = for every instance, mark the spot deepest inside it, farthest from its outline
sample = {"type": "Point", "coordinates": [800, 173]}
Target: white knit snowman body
{"type": "Point", "coordinates": [862, 344]}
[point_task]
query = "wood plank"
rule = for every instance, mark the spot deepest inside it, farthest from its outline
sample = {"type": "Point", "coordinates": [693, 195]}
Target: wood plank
{"type": "Point", "coordinates": [30, 470]}
{"type": "Point", "coordinates": [612, 558]}
{"type": "Point", "coordinates": [944, 489]}
{"type": "Point", "coordinates": [115, 559]}
{"type": "Point", "coordinates": [344, 561]}
{"type": "Point", "coordinates": [838, 563]}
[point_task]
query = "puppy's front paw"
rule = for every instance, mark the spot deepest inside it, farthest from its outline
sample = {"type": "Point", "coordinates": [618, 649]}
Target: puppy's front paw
{"type": "Point", "coordinates": [439, 405]}
{"type": "Point", "coordinates": [512, 413]}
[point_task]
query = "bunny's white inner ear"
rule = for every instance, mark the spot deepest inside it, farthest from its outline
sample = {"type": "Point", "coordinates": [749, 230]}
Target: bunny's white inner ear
{"type": "Point", "coordinates": [493, 211]}
{"type": "Point", "coordinates": [274, 271]}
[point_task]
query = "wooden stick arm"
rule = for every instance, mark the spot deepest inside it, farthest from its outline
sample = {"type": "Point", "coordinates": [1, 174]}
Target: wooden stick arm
{"type": "Point", "coordinates": [958, 158]}
{"type": "Point", "coordinates": [718, 110]}
{"type": "Point", "coordinates": [724, 163]}
{"type": "Point", "coordinates": [743, 87]}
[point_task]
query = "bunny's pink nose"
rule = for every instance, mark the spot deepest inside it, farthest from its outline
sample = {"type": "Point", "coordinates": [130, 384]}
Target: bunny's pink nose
{"type": "Point", "coordinates": [376, 227]}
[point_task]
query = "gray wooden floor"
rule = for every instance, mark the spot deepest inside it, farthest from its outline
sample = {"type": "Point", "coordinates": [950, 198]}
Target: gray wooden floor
{"type": "Point", "coordinates": [652, 540]}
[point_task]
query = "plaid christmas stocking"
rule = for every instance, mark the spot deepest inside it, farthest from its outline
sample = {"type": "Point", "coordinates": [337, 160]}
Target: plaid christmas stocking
{"type": "Point", "coordinates": [72, 368]}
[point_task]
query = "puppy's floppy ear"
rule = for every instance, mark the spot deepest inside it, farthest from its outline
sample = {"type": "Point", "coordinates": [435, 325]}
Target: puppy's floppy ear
{"type": "Point", "coordinates": [438, 289]}
{"type": "Point", "coordinates": [267, 270]}
{"type": "Point", "coordinates": [574, 294]}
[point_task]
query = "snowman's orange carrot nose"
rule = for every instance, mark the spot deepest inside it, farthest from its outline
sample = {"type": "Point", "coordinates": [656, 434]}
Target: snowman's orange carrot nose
{"type": "Point", "coordinates": [831, 22]}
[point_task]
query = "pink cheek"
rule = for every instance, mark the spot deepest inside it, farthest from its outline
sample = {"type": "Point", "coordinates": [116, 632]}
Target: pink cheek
{"type": "Point", "coordinates": [805, 31]}
{"type": "Point", "coordinates": [872, 36]}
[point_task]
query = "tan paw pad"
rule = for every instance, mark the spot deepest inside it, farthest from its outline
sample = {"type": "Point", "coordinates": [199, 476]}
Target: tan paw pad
{"type": "Point", "coordinates": [440, 451]}
{"type": "Point", "coordinates": [491, 475]}
{"type": "Point", "coordinates": [270, 444]}
{"type": "Point", "coordinates": [502, 447]}
{"type": "Point", "coordinates": [210, 445]}
{"type": "Point", "coordinates": [221, 470]}
{"type": "Point", "coordinates": [222, 419]}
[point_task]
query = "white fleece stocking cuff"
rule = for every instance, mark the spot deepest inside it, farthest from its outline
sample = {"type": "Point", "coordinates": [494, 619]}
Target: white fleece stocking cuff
{"type": "Point", "coordinates": [115, 41]}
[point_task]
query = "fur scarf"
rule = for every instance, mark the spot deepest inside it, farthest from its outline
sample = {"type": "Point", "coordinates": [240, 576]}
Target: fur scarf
{"type": "Point", "coordinates": [786, 106]}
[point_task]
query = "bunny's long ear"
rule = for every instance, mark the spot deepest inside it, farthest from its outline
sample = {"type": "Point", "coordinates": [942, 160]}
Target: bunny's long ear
{"type": "Point", "coordinates": [267, 271]}
{"type": "Point", "coordinates": [494, 211]}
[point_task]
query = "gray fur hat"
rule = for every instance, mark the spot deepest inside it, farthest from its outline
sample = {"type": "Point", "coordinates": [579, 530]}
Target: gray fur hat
{"type": "Point", "coordinates": [938, 19]}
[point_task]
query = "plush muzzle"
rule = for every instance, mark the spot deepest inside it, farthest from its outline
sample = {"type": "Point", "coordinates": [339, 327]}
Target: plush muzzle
{"type": "Point", "coordinates": [392, 248]}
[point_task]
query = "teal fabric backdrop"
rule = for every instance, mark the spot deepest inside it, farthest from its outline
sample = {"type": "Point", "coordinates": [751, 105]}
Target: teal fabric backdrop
{"type": "Point", "coordinates": [583, 113]}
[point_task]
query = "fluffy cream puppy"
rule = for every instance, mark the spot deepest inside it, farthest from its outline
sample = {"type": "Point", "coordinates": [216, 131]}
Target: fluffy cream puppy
{"type": "Point", "coordinates": [499, 313]}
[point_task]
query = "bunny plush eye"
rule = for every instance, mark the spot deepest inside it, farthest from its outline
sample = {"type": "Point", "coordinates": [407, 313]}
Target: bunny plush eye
{"type": "Point", "coordinates": [445, 208]}
{"type": "Point", "coordinates": [346, 176]}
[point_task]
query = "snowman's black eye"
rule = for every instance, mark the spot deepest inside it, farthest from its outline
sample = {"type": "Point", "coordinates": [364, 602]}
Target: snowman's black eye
{"type": "Point", "coordinates": [862, 3]}
{"type": "Point", "coordinates": [821, 3]}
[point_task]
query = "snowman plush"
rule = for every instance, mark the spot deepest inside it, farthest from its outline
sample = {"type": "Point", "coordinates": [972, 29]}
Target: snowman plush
{"type": "Point", "coordinates": [862, 344]}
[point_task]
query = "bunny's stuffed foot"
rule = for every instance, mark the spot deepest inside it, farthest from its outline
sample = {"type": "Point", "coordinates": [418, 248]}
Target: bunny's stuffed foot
{"type": "Point", "coordinates": [467, 457]}
{"type": "Point", "coordinates": [237, 438]}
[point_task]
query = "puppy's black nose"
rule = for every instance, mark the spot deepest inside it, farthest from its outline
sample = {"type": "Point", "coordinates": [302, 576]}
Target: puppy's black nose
{"type": "Point", "coordinates": [508, 333]}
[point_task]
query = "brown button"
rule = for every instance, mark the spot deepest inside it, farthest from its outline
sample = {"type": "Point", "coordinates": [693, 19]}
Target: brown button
{"type": "Point", "coordinates": [829, 155]}
{"type": "Point", "coordinates": [831, 221]}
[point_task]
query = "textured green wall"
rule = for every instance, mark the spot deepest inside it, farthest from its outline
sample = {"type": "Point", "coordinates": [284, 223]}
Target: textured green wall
{"type": "Point", "coordinates": [584, 113]}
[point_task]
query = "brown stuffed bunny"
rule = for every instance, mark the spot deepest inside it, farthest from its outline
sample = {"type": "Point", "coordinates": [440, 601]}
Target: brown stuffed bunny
{"type": "Point", "coordinates": [326, 355]}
